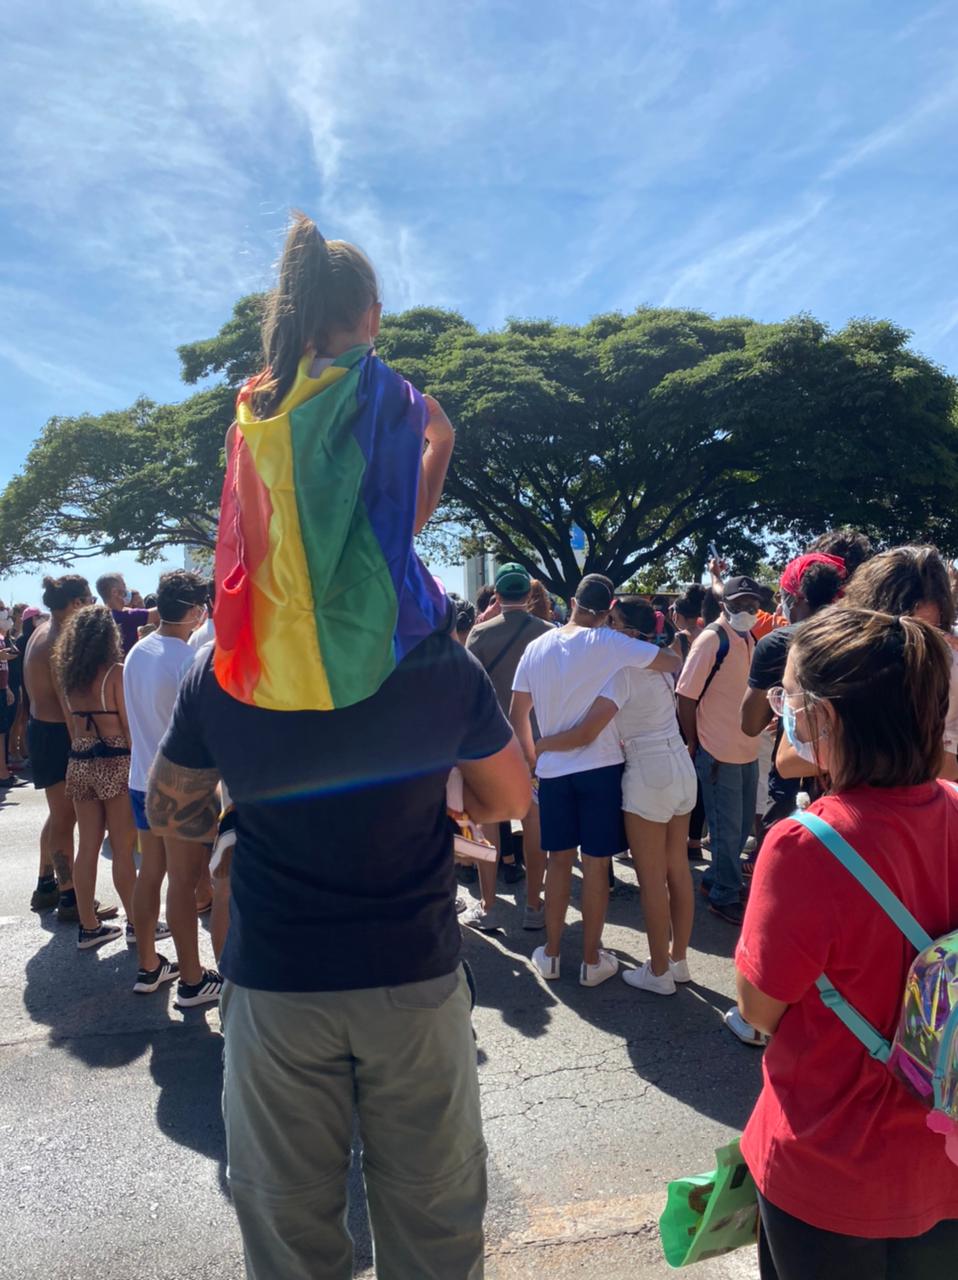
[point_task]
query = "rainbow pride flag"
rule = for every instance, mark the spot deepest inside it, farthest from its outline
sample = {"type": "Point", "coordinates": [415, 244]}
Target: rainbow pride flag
{"type": "Point", "coordinates": [319, 593]}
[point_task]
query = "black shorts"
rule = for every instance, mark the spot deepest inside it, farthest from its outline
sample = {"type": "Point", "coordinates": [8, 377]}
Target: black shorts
{"type": "Point", "coordinates": [49, 744]}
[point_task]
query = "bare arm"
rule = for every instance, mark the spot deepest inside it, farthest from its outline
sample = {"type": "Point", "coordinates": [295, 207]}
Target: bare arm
{"type": "Point", "coordinates": [181, 803]}
{"type": "Point", "coordinates": [587, 730]}
{"type": "Point", "coordinates": [666, 661]}
{"type": "Point", "coordinates": [760, 1010]}
{"type": "Point", "coordinates": [687, 709]}
{"type": "Point", "coordinates": [756, 712]}
{"type": "Point", "coordinates": [520, 717]}
{"type": "Point", "coordinates": [497, 788]}
{"type": "Point", "coordinates": [440, 440]}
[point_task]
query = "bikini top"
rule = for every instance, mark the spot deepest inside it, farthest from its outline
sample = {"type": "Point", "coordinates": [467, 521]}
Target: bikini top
{"type": "Point", "coordinates": [102, 710]}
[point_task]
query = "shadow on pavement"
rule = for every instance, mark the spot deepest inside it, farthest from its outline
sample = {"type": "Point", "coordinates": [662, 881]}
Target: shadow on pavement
{"type": "Point", "coordinates": [86, 1002]}
{"type": "Point", "coordinates": [679, 1044]}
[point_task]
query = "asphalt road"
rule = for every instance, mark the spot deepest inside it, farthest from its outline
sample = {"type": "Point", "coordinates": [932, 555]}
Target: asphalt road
{"type": "Point", "coordinates": [111, 1144]}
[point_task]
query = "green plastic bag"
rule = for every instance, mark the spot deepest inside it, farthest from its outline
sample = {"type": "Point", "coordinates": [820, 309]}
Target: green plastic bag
{"type": "Point", "coordinates": [711, 1213]}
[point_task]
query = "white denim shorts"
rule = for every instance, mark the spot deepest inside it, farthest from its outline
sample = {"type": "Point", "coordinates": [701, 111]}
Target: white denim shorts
{"type": "Point", "coordinates": [659, 780]}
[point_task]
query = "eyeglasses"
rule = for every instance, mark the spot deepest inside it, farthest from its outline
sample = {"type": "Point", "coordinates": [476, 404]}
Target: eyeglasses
{"type": "Point", "coordinates": [777, 695]}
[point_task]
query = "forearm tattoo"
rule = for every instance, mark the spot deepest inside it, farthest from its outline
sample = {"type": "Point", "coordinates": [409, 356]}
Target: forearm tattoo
{"type": "Point", "coordinates": [182, 803]}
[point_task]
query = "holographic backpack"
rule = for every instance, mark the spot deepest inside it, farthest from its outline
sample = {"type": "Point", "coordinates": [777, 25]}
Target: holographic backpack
{"type": "Point", "coordinates": [924, 1053]}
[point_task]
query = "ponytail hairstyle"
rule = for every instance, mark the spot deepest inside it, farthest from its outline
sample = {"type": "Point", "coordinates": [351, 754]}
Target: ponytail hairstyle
{"type": "Point", "coordinates": [638, 615]}
{"type": "Point", "coordinates": [59, 592]}
{"type": "Point", "coordinates": [690, 605]}
{"type": "Point", "coordinates": [887, 679]}
{"type": "Point", "coordinates": [324, 286]}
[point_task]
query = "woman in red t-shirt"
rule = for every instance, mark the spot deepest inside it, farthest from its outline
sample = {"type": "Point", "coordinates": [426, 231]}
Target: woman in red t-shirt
{"type": "Point", "coordinates": [851, 1180]}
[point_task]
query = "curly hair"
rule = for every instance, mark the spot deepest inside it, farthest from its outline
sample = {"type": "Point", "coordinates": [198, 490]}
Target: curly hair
{"type": "Point", "coordinates": [90, 641]}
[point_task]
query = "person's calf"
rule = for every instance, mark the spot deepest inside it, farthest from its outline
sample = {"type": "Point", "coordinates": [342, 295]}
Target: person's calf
{"type": "Point", "coordinates": [185, 865]}
{"type": "Point", "coordinates": [595, 902]}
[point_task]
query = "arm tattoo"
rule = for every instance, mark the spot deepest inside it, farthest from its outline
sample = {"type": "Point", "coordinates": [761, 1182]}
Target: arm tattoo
{"type": "Point", "coordinates": [182, 802]}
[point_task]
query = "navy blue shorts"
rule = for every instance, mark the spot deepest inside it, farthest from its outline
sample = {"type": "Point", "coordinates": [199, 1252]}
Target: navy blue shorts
{"type": "Point", "coordinates": [138, 805]}
{"type": "Point", "coordinates": [583, 811]}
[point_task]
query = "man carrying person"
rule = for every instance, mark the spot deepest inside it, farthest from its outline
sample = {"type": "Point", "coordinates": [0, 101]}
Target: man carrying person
{"type": "Point", "coordinates": [580, 792]}
{"type": "Point", "coordinates": [344, 985]}
{"type": "Point", "coordinates": [111, 589]}
{"type": "Point", "coordinates": [710, 692]}
{"type": "Point", "coordinates": [48, 737]}
{"type": "Point", "coordinates": [499, 644]}
{"type": "Point", "coordinates": [152, 674]}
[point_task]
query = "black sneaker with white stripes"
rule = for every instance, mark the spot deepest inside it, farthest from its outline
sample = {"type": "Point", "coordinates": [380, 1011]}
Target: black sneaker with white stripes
{"type": "Point", "coordinates": [89, 938]}
{"type": "Point", "coordinates": [206, 991]}
{"type": "Point", "coordinates": [148, 980]}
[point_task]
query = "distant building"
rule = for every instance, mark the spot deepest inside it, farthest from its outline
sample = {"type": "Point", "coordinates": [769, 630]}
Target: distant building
{"type": "Point", "coordinates": [198, 560]}
{"type": "Point", "coordinates": [477, 571]}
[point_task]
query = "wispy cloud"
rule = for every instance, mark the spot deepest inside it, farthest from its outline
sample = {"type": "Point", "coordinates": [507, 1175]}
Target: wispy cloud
{"type": "Point", "coordinates": [937, 107]}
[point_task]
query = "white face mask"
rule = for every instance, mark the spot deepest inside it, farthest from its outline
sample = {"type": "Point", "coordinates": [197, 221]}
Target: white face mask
{"type": "Point", "coordinates": [741, 621]}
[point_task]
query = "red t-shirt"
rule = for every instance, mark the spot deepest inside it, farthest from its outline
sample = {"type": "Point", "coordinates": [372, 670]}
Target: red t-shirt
{"type": "Point", "coordinates": [834, 1139]}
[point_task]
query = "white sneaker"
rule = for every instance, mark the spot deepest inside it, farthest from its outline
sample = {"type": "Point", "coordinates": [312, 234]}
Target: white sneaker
{"type": "Point", "coordinates": [591, 975]}
{"type": "Point", "coordinates": [477, 917]}
{"type": "Point", "coordinates": [548, 966]}
{"type": "Point", "coordinates": [744, 1030]}
{"type": "Point", "coordinates": [680, 970]}
{"type": "Point", "coordinates": [646, 980]}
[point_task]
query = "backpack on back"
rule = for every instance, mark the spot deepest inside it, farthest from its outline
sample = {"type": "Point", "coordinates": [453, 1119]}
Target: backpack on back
{"type": "Point", "coordinates": [924, 1053]}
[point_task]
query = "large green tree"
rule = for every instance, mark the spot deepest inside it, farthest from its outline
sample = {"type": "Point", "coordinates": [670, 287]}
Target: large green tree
{"type": "Point", "coordinates": [655, 433]}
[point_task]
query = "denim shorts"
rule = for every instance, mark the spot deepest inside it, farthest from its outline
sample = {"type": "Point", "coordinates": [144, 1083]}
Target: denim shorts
{"type": "Point", "coordinates": [660, 781]}
{"type": "Point", "coordinates": [583, 811]}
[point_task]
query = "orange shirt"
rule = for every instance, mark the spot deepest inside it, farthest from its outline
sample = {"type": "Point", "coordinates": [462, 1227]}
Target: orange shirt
{"type": "Point", "coordinates": [767, 622]}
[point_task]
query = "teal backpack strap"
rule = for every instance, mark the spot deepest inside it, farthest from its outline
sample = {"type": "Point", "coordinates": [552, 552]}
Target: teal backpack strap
{"type": "Point", "coordinates": [876, 1044]}
{"type": "Point", "coordinates": [863, 1031]}
{"type": "Point", "coordinates": [869, 880]}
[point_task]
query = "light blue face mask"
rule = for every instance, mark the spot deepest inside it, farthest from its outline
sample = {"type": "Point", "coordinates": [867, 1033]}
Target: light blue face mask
{"type": "Point", "coordinates": [804, 749]}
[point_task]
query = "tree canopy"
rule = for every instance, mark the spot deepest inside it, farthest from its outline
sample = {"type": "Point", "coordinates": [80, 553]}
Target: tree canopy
{"type": "Point", "coordinates": [655, 432]}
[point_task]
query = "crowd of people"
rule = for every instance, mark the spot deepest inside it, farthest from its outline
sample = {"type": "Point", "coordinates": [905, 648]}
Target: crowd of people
{"type": "Point", "coordinates": [318, 827]}
{"type": "Point", "coordinates": [94, 690]}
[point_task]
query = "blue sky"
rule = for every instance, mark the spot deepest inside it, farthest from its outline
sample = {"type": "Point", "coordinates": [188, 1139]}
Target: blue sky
{"type": "Point", "coordinates": [501, 157]}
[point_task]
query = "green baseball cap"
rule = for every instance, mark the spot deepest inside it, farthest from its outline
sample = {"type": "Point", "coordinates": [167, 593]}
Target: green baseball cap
{"type": "Point", "coordinates": [513, 581]}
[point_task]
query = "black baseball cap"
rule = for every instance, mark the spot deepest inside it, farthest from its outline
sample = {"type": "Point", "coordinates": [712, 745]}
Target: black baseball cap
{"type": "Point", "coordinates": [742, 586]}
{"type": "Point", "coordinates": [595, 592]}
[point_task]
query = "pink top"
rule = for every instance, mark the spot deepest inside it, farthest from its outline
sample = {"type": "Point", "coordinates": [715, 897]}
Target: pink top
{"type": "Point", "coordinates": [719, 717]}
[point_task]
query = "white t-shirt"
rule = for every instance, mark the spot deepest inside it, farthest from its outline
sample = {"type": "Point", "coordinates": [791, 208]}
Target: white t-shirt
{"type": "Point", "coordinates": [202, 635]}
{"type": "Point", "coordinates": [646, 702]}
{"type": "Point", "coordinates": [565, 671]}
{"type": "Point", "coordinates": [152, 673]}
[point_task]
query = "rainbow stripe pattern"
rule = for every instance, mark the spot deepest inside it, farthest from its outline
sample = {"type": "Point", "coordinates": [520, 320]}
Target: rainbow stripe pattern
{"type": "Point", "coordinates": [319, 592]}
